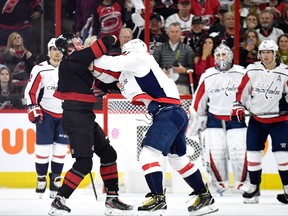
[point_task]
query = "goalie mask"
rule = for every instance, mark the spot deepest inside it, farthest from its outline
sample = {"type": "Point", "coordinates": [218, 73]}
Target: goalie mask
{"type": "Point", "coordinates": [135, 45]}
{"type": "Point", "coordinates": [223, 57]}
{"type": "Point", "coordinates": [64, 41]}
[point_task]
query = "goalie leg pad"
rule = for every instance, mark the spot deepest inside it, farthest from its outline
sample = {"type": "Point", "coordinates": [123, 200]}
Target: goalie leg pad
{"type": "Point", "coordinates": [236, 142]}
{"type": "Point", "coordinates": [182, 165]}
{"type": "Point", "coordinates": [216, 140]}
{"type": "Point", "coordinates": [149, 159]}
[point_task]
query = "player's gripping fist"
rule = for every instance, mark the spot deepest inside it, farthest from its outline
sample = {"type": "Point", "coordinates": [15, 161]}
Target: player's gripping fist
{"type": "Point", "coordinates": [238, 111]}
{"type": "Point", "coordinates": [35, 114]}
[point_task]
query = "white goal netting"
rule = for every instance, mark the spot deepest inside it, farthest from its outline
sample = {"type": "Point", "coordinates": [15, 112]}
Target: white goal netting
{"type": "Point", "coordinates": [126, 125]}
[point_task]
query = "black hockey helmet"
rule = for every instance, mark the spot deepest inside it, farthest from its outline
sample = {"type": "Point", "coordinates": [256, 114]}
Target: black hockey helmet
{"type": "Point", "coordinates": [64, 41]}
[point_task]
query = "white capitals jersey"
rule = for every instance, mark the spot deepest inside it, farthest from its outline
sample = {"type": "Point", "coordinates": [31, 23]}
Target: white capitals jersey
{"type": "Point", "coordinates": [141, 79]}
{"type": "Point", "coordinates": [44, 77]}
{"type": "Point", "coordinates": [264, 91]}
{"type": "Point", "coordinates": [217, 91]}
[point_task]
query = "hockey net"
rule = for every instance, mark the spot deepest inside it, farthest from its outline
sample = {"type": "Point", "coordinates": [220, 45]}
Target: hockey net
{"type": "Point", "coordinates": [126, 125]}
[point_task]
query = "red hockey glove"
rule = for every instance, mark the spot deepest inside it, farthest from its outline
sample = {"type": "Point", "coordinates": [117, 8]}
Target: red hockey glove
{"type": "Point", "coordinates": [35, 114]}
{"type": "Point", "coordinates": [238, 111]}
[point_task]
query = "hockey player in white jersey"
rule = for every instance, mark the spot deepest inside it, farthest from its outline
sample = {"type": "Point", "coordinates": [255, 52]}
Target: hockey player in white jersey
{"type": "Point", "coordinates": [45, 111]}
{"type": "Point", "coordinates": [143, 82]}
{"type": "Point", "coordinates": [225, 140]}
{"type": "Point", "coordinates": [264, 92]}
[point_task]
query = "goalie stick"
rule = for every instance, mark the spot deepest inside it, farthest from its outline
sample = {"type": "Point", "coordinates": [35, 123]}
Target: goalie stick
{"type": "Point", "coordinates": [203, 147]}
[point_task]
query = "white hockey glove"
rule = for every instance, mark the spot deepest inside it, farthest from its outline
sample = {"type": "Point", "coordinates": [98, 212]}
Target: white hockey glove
{"type": "Point", "coordinates": [196, 123]}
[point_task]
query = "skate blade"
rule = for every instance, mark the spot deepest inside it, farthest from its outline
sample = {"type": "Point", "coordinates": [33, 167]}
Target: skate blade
{"type": "Point", "coordinates": [205, 210]}
{"type": "Point", "coordinates": [253, 200]}
{"type": "Point", "coordinates": [160, 212]}
{"type": "Point", "coordinates": [40, 195]}
{"type": "Point", "coordinates": [112, 211]}
{"type": "Point", "coordinates": [54, 211]}
{"type": "Point", "coordinates": [53, 194]}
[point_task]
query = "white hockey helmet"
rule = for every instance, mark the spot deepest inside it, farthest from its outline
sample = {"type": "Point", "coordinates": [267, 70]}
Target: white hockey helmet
{"type": "Point", "coordinates": [268, 45]}
{"type": "Point", "coordinates": [50, 44]}
{"type": "Point", "coordinates": [135, 45]}
{"type": "Point", "coordinates": [223, 56]}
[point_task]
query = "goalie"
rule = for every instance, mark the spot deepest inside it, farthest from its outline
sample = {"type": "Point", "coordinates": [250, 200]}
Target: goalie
{"type": "Point", "coordinates": [211, 108]}
{"type": "Point", "coordinates": [264, 89]}
{"type": "Point", "coordinates": [143, 81]}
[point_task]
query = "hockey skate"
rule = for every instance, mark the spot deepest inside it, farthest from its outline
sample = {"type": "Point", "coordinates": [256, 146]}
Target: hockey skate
{"type": "Point", "coordinates": [54, 185]}
{"type": "Point", "coordinates": [155, 205]}
{"type": "Point", "coordinates": [41, 185]}
{"type": "Point", "coordinates": [58, 206]}
{"type": "Point", "coordinates": [114, 206]}
{"type": "Point", "coordinates": [283, 198]}
{"type": "Point", "coordinates": [203, 204]}
{"type": "Point", "coordinates": [252, 195]}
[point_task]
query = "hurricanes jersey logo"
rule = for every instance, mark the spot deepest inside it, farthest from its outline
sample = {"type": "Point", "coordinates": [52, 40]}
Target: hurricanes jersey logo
{"type": "Point", "coordinates": [9, 6]}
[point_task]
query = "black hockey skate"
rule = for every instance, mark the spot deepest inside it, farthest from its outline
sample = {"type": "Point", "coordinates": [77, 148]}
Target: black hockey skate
{"type": "Point", "coordinates": [41, 185]}
{"type": "Point", "coordinates": [54, 185]}
{"type": "Point", "coordinates": [114, 206]}
{"type": "Point", "coordinates": [203, 204]}
{"type": "Point", "coordinates": [58, 206]}
{"type": "Point", "coordinates": [252, 195]}
{"type": "Point", "coordinates": [156, 202]}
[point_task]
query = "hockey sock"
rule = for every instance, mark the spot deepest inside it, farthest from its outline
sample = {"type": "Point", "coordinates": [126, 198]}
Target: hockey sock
{"type": "Point", "coordinates": [109, 175]}
{"type": "Point", "coordinates": [195, 181]}
{"type": "Point", "coordinates": [71, 181]}
{"type": "Point", "coordinates": [56, 167]}
{"type": "Point", "coordinates": [255, 177]}
{"type": "Point", "coordinates": [41, 169]}
{"type": "Point", "coordinates": [284, 177]}
{"type": "Point", "coordinates": [155, 182]}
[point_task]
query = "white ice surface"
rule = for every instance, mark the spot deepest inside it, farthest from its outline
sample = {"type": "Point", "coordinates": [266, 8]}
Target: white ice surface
{"type": "Point", "coordinates": [83, 202]}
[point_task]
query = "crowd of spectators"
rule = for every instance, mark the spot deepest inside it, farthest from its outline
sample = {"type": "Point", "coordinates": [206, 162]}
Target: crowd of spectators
{"type": "Point", "coordinates": [183, 34]}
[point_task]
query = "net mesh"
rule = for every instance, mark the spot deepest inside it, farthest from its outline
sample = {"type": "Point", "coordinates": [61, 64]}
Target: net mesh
{"type": "Point", "coordinates": [116, 104]}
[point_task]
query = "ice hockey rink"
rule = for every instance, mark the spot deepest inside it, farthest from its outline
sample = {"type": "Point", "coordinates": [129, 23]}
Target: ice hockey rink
{"type": "Point", "coordinates": [83, 202]}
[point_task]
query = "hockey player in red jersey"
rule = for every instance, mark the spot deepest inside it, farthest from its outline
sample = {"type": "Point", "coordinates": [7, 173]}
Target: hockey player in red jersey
{"type": "Point", "coordinates": [264, 92]}
{"type": "Point", "coordinates": [143, 82]}
{"type": "Point", "coordinates": [75, 87]}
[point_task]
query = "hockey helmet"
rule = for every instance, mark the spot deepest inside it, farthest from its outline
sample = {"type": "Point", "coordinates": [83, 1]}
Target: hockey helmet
{"type": "Point", "coordinates": [64, 41]}
{"type": "Point", "coordinates": [135, 45]}
{"type": "Point", "coordinates": [50, 44]}
{"type": "Point", "coordinates": [223, 56]}
{"type": "Point", "coordinates": [268, 45]}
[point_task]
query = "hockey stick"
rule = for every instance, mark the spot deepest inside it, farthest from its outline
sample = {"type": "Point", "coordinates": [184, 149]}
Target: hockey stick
{"type": "Point", "coordinates": [280, 113]}
{"type": "Point", "coordinates": [203, 147]}
{"type": "Point", "coordinates": [93, 185]}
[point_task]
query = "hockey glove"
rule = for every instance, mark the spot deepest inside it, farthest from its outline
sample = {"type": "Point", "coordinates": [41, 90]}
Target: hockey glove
{"type": "Point", "coordinates": [196, 123]}
{"type": "Point", "coordinates": [35, 114]}
{"type": "Point", "coordinates": [238, 111]}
